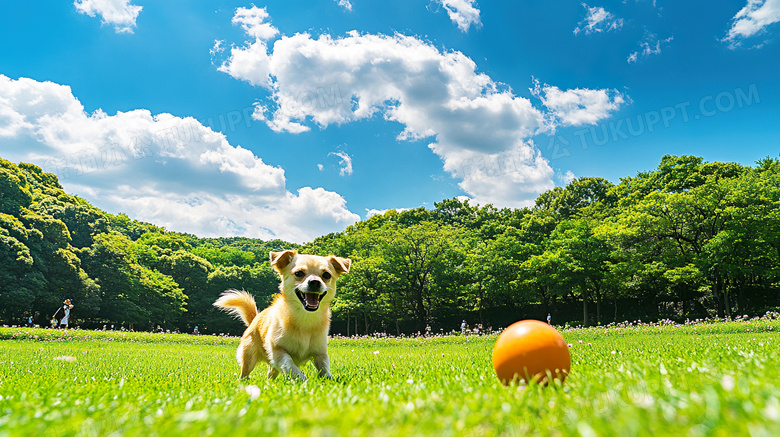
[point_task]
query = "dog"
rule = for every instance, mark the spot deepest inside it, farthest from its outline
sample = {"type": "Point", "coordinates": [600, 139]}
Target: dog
{"type": "Point", "coordinates": [294, 328]}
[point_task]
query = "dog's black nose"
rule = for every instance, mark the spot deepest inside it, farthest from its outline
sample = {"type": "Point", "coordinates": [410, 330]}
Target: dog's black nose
{"type": "Point", "coordinates": [314, 284]}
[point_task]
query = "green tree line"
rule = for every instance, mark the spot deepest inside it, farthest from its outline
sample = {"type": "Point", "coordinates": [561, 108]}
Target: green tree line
{"type": "Point", "coordinates": [688, 239]}
{"type": "Point", "coordinates": [116, 270]}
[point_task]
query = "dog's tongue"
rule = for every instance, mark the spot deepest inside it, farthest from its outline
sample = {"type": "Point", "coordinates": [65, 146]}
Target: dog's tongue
{"type": "Point", "coordinates": [312, 299]}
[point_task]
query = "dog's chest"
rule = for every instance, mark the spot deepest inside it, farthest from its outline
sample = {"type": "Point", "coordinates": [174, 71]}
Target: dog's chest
{"type": "Point", "coordinates": [302, 346]}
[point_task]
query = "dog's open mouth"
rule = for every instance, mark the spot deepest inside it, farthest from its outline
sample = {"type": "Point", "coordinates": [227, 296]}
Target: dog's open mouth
{"type": "Point", "coordinates": [310, 301]}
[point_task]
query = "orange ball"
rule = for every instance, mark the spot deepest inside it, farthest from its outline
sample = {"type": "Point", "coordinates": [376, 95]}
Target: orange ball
{"type": "Point", "coordinates": [528, 349]}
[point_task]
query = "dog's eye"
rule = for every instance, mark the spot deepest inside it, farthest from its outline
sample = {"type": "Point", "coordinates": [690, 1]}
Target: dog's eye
{"type": "Point", "coordinates": [299, 274]}
{"type": "Point", "coordinates": [326, 276]}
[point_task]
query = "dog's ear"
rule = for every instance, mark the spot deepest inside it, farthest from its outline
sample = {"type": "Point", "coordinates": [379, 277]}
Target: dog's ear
{"type": "Point", "coordinates": [340, 264]}
{"type": "Point", "coordinates": [280, 260]}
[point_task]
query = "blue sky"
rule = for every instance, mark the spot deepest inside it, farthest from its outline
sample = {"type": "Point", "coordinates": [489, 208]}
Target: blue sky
{"type": "Point", "coordinates": [294, 119]}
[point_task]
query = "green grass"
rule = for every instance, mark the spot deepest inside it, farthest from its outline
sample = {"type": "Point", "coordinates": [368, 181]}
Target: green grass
{"type": "Point", "coordinates": [707, 379]}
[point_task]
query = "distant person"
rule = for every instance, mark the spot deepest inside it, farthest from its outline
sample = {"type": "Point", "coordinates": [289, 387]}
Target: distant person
{"type": "Point", "coordinates": [428, 330]}
{"type": "Point", "coordinates": [549, 319]}
{"type": "Point", "coordinates": [463, 327]}
{"type": "Point", "coordinates": [195, 331]}
{"type": "Point", "coordinates": [66, 307]}
{"type": "Point", "coordinates": [29, 322]}
{"type": "Point", "coordinates": [53, 323]}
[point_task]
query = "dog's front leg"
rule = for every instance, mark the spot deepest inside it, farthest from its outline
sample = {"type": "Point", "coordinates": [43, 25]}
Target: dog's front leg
{"type": "Point", "coordinates": [322, 363]}
{"type": "Point", "coordinates": [284, 362]}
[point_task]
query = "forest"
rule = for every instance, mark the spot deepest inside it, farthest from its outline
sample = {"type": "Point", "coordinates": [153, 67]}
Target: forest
{"type": "Point", "coordinates": [687, 240]}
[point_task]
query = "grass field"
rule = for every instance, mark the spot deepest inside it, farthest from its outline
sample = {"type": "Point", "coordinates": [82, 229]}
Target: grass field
{"type": "Point", "coordinates": [704, 379]}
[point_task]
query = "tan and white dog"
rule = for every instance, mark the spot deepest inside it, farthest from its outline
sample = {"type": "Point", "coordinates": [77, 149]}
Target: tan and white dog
{"type": "Point", "coordinates": [294, 328]}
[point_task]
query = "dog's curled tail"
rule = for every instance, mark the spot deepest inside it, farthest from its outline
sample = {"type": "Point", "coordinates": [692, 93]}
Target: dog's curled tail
{"type": "Point", "coordinates": [238, 304]}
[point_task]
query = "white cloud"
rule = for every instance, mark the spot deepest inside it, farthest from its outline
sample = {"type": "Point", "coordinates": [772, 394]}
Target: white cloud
{"type": "Point", "coordinates": [567, 177]}
{"type": "Point", "coordinates": [252, 20]}
{"type": "Point", "coordinates": [119, 13]}
{"type": "Point", "coordinates": [345, 161]}
{"type": "Point", "coordinates": [11, 122]}
{"type": "Point", "coordinates": [436, 96]}
{"type": "Point", "coordinates": [163, 169]}
{"type": "Point", "coordinates": [346, 4]}
{"type": "Point", "coordinates": [752, 20]}
{"type": "Point", "coordinates": [511, 178]}
{"type": "Point", "coordinates": [578, 106]}
{"type": "Point", "coordinates": [372, 212]}
{"type": "Point", "coordinates": [651, 45]}
{"type": "Point", "coordinates": [217, 49]}
{"type": "Point", "coordinates": [251, 64]}
{"type": "Point", "coordinates": [598, 20]}
{"type": "Point", "coordinates": [463, 13]}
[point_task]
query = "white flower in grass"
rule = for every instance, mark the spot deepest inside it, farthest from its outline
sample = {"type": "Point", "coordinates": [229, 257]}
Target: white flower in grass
{"type": "Point", "coordinates": [253, 391]}
{"type": "Point", "coordinates": [67, 358]}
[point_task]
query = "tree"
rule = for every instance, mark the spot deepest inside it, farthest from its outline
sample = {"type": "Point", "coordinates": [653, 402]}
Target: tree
{"type": "Point", "coordinates": [578, 195]}
{"type": "Point", "coordinates": [165, 240]}
{"type": "Point", "coordinates": [498, 278]}
{"type": "Point", "coordinates": [225, 256]}
{"type": "Point", "coordinates": [130, 292]}
{"type": "Point", "coordinates": [15, 191]}
{"type": "Point", "coordinates": [191, 273]}
{"type": "Point", "coordinates": [585, 255]}
{"type": "Point", "coordinates": [82, 220]}
{"type": "Point", "coordinates": [260, 280]}
{"type": "Point", "coordinates": [417, 255]}
{"type": "Point", "coordinates": [366, 292]}
{"type": "Point", "coordinates": [546, 276]}
{"type": "Point", "coordinates": [132, 229]}
{"type": "Point", "coordinates": [685, 282]}
{"type": "Point", "coordinates": [18, 280]}
{"type": "Point", "coordinates": [745, 251]}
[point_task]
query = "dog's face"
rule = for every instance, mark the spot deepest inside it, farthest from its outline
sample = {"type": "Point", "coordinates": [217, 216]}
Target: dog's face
{"type": "Point", "coordinates": [309, 279]}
